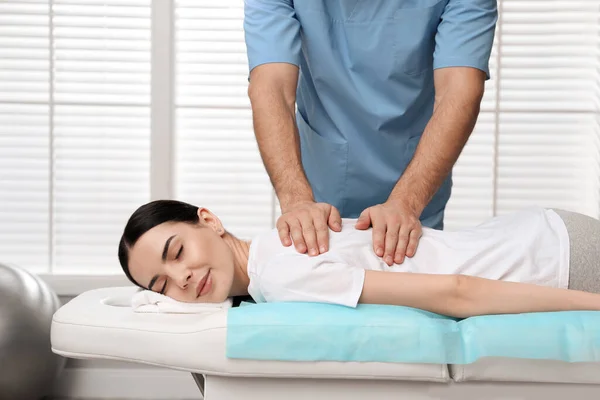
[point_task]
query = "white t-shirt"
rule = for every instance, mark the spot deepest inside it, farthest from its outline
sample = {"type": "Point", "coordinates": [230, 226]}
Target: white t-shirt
{"type": "Point", "coordinates": [530, 246]}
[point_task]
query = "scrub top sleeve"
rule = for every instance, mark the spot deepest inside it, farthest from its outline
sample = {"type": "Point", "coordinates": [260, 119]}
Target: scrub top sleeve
{"type": "Point", "coordinates": [465, 35]}
{"type": "Point", "coordinates": [272, 32]}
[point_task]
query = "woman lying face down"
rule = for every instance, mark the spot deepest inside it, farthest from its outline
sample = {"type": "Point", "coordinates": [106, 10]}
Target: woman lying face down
{"type": "Point", "coordinates": [522, 262]}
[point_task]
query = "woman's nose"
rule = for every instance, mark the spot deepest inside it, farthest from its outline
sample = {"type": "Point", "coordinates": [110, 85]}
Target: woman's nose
{"type": "Point", "coordinates": [185, 278]}
{"type": "Point", "coordinates": [181, 276]}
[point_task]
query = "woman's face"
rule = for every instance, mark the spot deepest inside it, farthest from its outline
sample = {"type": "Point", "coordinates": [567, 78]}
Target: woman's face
{"type": "Point", "coordinates": [187, 262]}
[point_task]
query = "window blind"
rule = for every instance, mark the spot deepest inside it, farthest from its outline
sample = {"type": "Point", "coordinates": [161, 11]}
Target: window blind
{"type": "Point", "coordinates": [531, 145]}
{"type": "Point", "coordinates": [217, 163]}
{"type": "Point", "coordinates": [24, 133]}
{"type": "Point", "coordinates": [101, 121]}
{"type": "Point", "coordinates": [74, 104]}
{"type": "Point", "coordinates": [472, 199]}
{"type": "Point", "coordinates": [534, 141]}
{"type": "Point", "coordinates": [75, 124]}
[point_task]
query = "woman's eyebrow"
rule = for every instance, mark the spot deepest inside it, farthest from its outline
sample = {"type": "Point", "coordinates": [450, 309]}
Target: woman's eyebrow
{"type": "Point", "coordinates": [164, 259]}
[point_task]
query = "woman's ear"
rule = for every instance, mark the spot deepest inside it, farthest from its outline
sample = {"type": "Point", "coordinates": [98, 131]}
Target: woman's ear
{"type": "Point", "coordinates": [210, 219]}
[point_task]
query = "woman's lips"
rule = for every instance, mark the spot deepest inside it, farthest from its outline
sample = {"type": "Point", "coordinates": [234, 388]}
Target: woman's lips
{"type": "Point", "coordinates": [207, 286]}
{"type": "Point", "coordinates": [204, 285]}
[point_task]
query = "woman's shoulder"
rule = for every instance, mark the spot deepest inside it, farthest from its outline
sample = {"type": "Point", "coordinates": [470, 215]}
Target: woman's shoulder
{"type": "Point", "coordinates": [266, 246]}
{"type": "Point", "coordinates": [265, 242]}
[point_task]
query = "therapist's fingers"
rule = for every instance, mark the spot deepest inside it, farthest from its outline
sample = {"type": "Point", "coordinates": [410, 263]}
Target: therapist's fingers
{"type": "Point", "coordinates": [413, 242]}
{"type": "Point", "coordinates": [335, 220]}
{"type": "Point", "coordinates": [364, 221]}
{"type": "Point", "coordinates": [297, 233]}
{"type": "Point", "coordinates": [322, 231]}
{"type": "Point", "coordinates": [310, 235]}
{"type": "Point", "coordinates": [316, 227]}
{"type": "Point", "coordinates": [283, 229]}
{"type": "Point", "coordinates": [410, 233]}
{"type": "Point", "coordinates": [399, 252]}
{"type": "Point", "coordinates": [379, 231]}
{"type": "Point", "coordinates": [307, 224]}
{"type": "Point", "coordinates": [393, 240]}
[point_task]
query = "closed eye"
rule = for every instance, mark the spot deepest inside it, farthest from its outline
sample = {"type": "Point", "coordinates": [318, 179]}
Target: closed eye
{"type": "Point", "coordinates": [162, 291]}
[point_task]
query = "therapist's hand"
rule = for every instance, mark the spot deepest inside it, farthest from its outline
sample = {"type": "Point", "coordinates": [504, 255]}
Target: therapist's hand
{"type": "Point", "coordinates": [396, 230]}
{"type": "Point", "coordinates": [308, 225]}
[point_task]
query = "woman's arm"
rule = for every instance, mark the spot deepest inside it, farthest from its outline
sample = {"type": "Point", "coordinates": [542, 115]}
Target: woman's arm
{"type": "Point", "coordinates": [465, 296]}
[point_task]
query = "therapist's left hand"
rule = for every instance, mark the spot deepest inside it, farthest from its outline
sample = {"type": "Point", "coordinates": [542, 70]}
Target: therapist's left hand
{"type": "Point", "coordinates": [396, 230]}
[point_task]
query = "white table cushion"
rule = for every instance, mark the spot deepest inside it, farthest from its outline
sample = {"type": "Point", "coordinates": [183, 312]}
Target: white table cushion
{"type": "Point", "coordinates": [101, 324]}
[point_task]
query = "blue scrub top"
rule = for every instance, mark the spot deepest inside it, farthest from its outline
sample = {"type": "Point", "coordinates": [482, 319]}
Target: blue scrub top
{"type": "Point", "coordinates": [365, 90]}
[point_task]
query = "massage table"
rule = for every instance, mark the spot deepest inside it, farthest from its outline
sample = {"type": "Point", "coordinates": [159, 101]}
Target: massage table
{"type": "Point", "coordinates": [100, 324]}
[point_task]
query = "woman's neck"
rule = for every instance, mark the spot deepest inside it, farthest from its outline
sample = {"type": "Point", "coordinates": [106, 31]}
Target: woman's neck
{"type": "Point", "coordinates": [240, 250]}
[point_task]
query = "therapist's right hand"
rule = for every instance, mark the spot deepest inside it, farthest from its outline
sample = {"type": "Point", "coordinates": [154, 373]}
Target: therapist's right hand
{"type": "Point", "coordinates": [306, 225]}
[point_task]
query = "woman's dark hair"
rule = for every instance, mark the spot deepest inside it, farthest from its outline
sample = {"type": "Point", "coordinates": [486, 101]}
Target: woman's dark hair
{"type": "Point", "coordinates": [147, 217]}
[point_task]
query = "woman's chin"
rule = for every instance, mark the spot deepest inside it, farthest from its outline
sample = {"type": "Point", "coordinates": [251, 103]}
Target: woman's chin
{"type": "Point", "coordinates": [212, 297]}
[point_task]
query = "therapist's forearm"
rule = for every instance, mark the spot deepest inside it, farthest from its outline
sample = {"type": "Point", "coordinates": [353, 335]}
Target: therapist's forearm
{"type": "Point", "coordinates": [458, 98]}
{"type": "Point", "coordinates": [272, 93]}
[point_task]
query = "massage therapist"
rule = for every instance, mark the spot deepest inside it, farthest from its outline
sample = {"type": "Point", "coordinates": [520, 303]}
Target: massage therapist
{"type": "Point", "coordinates": [362, 107]}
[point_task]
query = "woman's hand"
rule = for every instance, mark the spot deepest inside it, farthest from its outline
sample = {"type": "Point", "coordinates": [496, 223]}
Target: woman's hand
{"type": "Point", "coordinates": [308, 225]}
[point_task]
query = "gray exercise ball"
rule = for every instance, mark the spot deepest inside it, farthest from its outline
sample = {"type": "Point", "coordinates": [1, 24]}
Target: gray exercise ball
{"type": "Point", "coordinates": [28, 368]}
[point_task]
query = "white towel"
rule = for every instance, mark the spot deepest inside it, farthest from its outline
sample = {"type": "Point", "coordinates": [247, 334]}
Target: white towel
{"type": "Point", "coordinates": [147, 301]}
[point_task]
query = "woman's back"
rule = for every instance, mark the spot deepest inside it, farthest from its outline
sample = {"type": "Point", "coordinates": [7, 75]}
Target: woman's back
{"type": "Point", "coordinates": [530, 246]}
